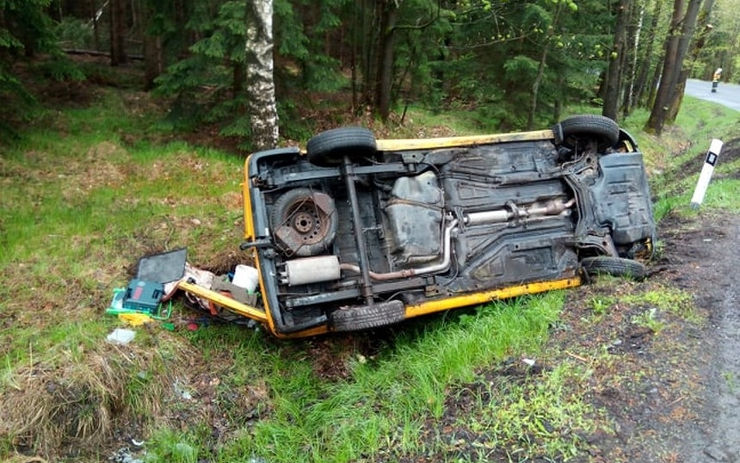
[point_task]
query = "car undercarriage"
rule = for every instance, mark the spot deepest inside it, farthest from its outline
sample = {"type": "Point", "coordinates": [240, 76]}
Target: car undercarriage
{"type": "Point", "coordinates": [359, 231]}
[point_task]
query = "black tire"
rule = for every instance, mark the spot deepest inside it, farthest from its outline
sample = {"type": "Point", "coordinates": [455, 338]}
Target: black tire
{"type": "Point", "coordinates": [587, 126]}
{"type": "Point", "coordinates": [328, 149]}
{"type": "Point", "coordinates": [367, 316]}
{"type": "Point", "coordinates": [615, 266]}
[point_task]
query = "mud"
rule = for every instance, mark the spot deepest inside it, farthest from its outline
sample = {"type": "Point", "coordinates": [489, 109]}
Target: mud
{"type": "Point", "coordinates": [703, 258]}
{"type": "Point", "coordinates": [730, 152]}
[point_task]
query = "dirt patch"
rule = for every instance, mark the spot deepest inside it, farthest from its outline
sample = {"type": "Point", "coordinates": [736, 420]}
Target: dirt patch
{"type": "Point", "coordinates": [333, 356]}
{"type": "Point", "coordinates": [703, 258]}
{"type": "Point", "coordinates": [730, 152]}
{"type": "Point", "coordinates": [662, 382]}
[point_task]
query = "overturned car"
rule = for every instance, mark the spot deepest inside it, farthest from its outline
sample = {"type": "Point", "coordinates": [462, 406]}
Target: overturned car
{"type": "Point", "coordinates": [360, 233]}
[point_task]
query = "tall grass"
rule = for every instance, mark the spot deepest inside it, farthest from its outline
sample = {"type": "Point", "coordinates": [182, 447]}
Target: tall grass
{"type": "Point", "coordinates": [386, 399]}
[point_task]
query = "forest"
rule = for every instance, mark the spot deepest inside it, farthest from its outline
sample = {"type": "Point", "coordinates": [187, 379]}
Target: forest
{"type": "Point", "coordinates": [513, 63]}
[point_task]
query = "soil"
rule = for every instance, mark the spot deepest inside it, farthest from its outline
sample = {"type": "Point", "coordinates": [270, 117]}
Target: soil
{"type": "Point", "coordinates": [703, 258]}
{"type": "Point", "coordinates": [670, 396]}
{"type": "Point", "coordinates": [684, 406]}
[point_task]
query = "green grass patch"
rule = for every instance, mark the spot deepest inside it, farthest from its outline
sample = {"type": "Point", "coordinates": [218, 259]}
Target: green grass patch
{"type": "Point", "coordinates": [673, 300]}
{"type": "Point", "coordinates": [649, 319]}
{"type": "Point", "coordinates": [387, 398]}
{"type": "Point", "coordinates": [674, 159]}
{"type": "Point", "coordinates": [542, 417]}
{"type": "Point", "coordinates": [600, 304]}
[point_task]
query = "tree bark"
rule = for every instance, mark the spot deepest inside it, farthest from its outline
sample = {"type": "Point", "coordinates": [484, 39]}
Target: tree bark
{"type": "Point", "coordinates": [616, 59]}
{"type": "Point", "coordinates": [370, 33]}
{"type": "Point", "coordinates": [671, 66]}
{"type": "Point", "coordinates": [260, 86]}
{"type": "Point", "coordinates": [644, 67]}
{"type": "Point", "coordinates": [93, 12]}
{"type": "Point", "coordinates": [541, 67]}
{"type": "Point", "coordinates": [698, 44]}
{"type": "Point", "coordinates": [385, 59]}
{"type": "Point", "coordinates": [117, 15]}
{"type": "Point", "coordinates": [629, 93]}
{"type": "Point", "coordinates": [151, 44]}
{"type": "Point", "coordinates": [650, 101]}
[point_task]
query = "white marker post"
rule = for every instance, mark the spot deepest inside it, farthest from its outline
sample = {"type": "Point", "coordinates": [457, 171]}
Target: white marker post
{"type": "Point", "coordinates": [706, 173]}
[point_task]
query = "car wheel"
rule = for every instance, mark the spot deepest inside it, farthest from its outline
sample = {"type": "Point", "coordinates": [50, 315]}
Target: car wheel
{"type": "Point", "coordinates": [328, 149]}
{"type": "Point", "coordinates": [615, 266]}
{"type": "Point", "coordinates": [576, 130]}
{"type": "Point", "coordinates": [367, 316]}
{"type": "Point", "coordinates": [304, 222]}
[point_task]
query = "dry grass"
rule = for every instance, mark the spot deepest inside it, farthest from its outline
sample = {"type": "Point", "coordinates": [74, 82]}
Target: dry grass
{"type": "Point", "coordinates": [78, 403]}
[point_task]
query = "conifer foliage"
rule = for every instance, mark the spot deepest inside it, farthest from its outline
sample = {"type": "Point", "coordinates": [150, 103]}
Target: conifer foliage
{"type": "Point", "coordinates": [244, 65]}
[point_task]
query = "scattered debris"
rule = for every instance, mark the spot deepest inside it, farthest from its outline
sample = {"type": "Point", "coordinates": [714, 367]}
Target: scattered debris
{"type": "Point", "coordinates": [124, 455]}
{"type": "Point", "coordinates": [135, 319]}
{"type": "Point", "coordinates": [164, 267]}
{"type": "Point", "coordinates": [121, 336]}
{"type": "Point", "coordinates": [576, 356]}
{"type": "Point", "coordinates": [180, 390]}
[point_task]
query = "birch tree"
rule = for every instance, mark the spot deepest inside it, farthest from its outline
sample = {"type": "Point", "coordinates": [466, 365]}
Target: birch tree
{"type": "Point", "coordinates": [260, 85]}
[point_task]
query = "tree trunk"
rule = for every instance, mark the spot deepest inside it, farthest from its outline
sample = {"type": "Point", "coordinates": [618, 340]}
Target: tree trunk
{"type": "Point", "coordinates": [629, 93]}
{"type": "Point", "coordinates": [117, 15]}
{"type": "Point", "coordinates": [541, 68]}
{"type": "Point", "coordinates": [369, 49]}
{"type": "Point", "coordinates": [616, 59]}
{"type": "Point", "coordinates": [650, 101]}
{"type": "Point", "coordinates": [93, 12]}
{"type": "Point", "coordinates": [536, 86]}
{"type": "Point", "coordinates": [151, 45]}
{"type": "Point", "coordinates": [671, 66]}
{"type": "Point", "coordinates": [385, 55]}
{"type": "Point", "coordinates": [353, 57]}
{"type": "Point", "coordinates": [260, 86]}
{"type": "Point", "coordinates": [641, 82]}
{"type": "Point", "coordinates": [698, 44]}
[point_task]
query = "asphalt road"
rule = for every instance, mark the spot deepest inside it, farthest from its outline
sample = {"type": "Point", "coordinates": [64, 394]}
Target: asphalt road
{"type": "Point", "coordinates": [727, 94]}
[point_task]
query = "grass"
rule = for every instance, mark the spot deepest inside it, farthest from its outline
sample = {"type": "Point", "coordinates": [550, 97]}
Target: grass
{"type": "Point", "coordinates": [91, 201]}
{"type": "Point", "coordinates": [532, 415]}
{"type": "Point", "coordinates": [385, 399]}
{"type": "Point", "coordinates": [88, 191]}
{"type": "Point", "coordinates": [649, 319]}
{"type": "Point", "coordinates": [675, 301]}
{"type": "Point", "coordinates": [78, 207]}
{"type": "Point", "coordinates": [675, 158]}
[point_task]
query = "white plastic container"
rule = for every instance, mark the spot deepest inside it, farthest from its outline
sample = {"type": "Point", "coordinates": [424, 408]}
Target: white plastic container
{"type": "Point", "coordinates": [246, 277]}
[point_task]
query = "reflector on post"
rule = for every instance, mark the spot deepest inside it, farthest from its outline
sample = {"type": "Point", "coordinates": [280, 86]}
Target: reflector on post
{"type": "Point", "coordinates": [706, 173]}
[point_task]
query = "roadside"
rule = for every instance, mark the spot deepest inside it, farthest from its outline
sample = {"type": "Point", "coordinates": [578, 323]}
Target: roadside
{"type": "Point", "coordinates": [705, 261]}
{"type": "Point", "coordinates": [727, 94]}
